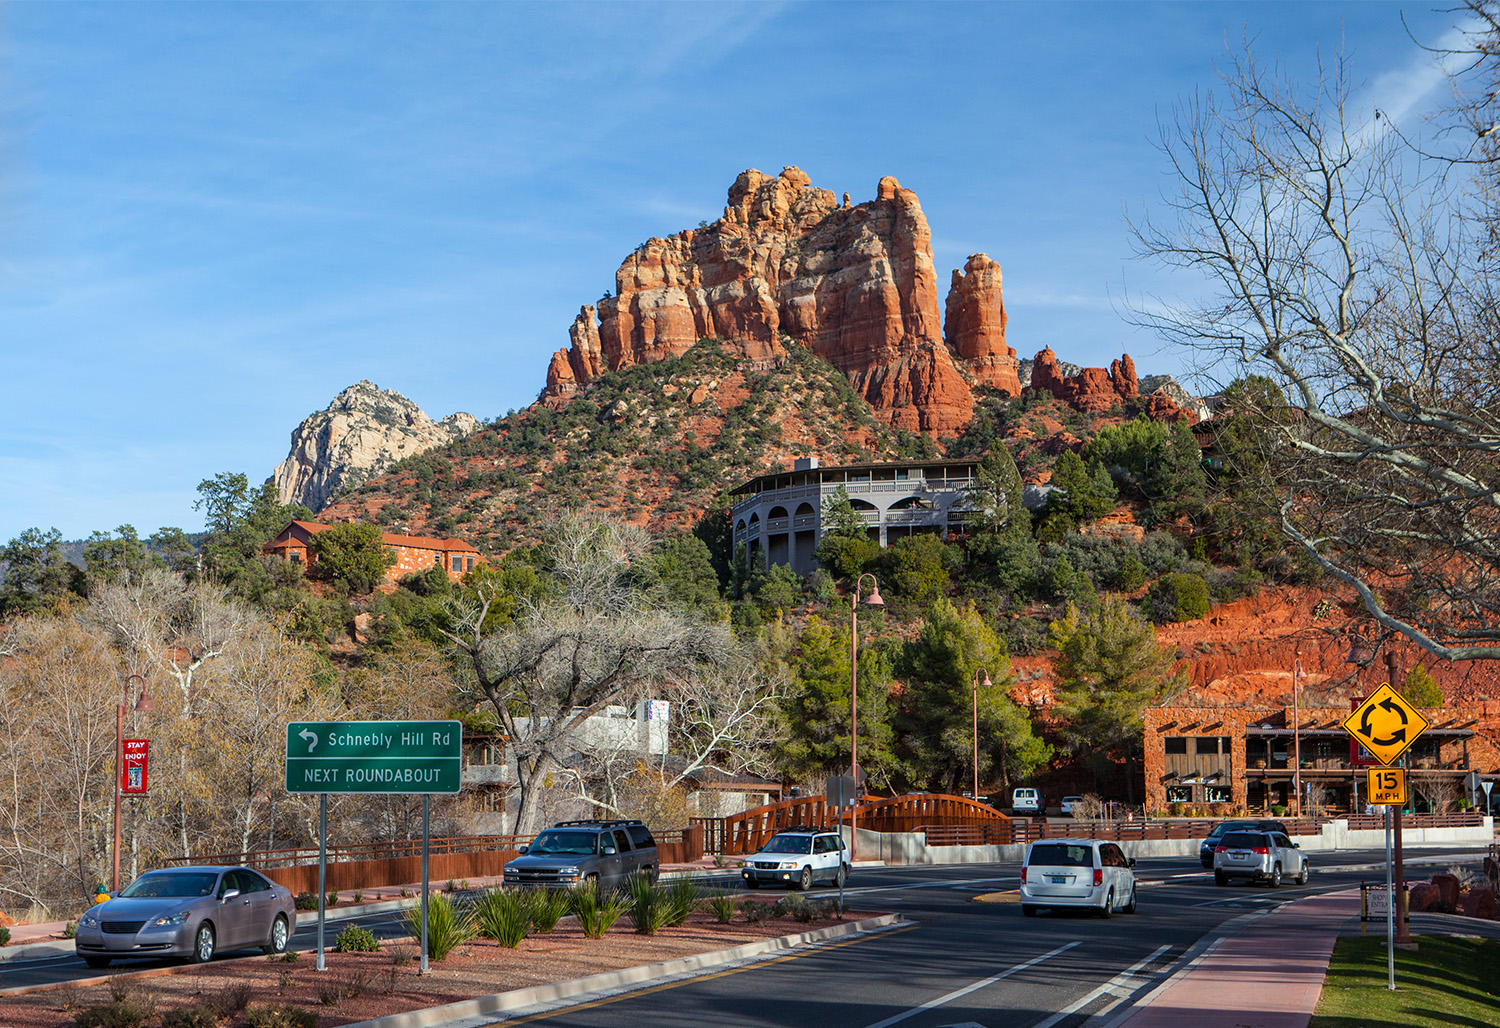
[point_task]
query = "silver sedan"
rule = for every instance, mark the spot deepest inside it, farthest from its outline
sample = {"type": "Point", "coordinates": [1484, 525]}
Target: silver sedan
{"type": "Point", "coordinates": [190, 912]}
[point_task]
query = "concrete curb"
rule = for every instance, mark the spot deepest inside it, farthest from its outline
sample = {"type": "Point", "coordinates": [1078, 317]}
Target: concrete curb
{"type": "Point", "coordinates": [501, 1002]}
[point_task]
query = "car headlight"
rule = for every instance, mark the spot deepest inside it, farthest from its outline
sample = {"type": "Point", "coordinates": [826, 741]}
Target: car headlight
{"type": "Point", "coordinates": [567, 870]}
{"type": "Point", "coordinates": [788, 865]}
{"type": "Point", "coordinates": [171, 919]}
{"type": "Point", "coordinates": [88, 921]}
{"type": "Point", "coordinates": [509, 870]}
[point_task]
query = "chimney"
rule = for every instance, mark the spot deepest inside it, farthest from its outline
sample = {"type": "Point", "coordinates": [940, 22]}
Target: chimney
{"type": "Point", "coordinates": [805, 464]}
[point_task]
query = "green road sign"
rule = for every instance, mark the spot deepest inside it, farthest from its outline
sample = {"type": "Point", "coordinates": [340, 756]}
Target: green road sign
{"type": "Point", "coordinates": [374, 756]}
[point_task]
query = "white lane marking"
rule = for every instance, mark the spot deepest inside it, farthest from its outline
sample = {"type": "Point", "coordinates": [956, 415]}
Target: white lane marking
{"type": "Point", "coordinates": [1109, 987]}
{"type": "Point", "coordinates": [961, 993]}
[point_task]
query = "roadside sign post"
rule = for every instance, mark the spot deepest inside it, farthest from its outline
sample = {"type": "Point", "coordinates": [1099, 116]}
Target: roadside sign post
{"type": "Point", "coordinates": [373, 757]}
{"type": "Point", "coordinates": [1386, 725]}
{"type": "Point", "coordinates": [842, 791]}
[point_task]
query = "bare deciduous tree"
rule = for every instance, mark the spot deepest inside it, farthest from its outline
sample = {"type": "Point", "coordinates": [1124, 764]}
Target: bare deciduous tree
{"type": "Point", "coordinates": [1341, 263]}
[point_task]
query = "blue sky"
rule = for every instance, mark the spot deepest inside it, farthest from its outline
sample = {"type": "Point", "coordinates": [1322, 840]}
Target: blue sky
{"type": "Point", "coordinates": [213, 217]}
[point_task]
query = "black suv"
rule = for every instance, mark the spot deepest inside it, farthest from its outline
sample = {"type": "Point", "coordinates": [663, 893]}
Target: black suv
{"type": "Point", "coordinates": [1206, 851]}
{"type": "Point", "coordinates": [608, 853]}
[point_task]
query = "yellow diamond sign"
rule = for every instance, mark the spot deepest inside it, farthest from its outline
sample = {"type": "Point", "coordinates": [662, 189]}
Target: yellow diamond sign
{"type": "Point", "coordinates": [1386, 724]}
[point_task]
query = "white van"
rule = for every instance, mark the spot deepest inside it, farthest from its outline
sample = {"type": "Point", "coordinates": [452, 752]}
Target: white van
{"type": "Point", "coordinates": [1077, 873]}
{"type": "Point", "coordinates": [1026, 801]}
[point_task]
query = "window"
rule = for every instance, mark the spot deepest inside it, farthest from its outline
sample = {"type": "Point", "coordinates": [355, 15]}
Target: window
{"type": "Point", "coordinates": [1176, 744]}
{"type": "Point", "coordinates": [622, 841]}
{"type": "Point", "coordinates": [468, 563]}
{"type": "Point", "coordinates": [1179, 794]}
{"type": "Point", "coordinates": [1216, 794]}
{"type": "Point", "coordinates": [296, 556]}
{"type": "Point", "coordinates": [641, 836]}
{"type": "Point", "coordinates": [458, 564]}
{"type": "Point", "coordinates": [1205, 744]}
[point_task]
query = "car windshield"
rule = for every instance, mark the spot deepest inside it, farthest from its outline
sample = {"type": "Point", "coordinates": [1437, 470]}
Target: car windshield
{"type": "Point", "coordinates": [1245, 840]}
{"type": "Point", "coordinates": [1060, 855]}
{"type": "Point", "coordinates": [563, 844]}
{"type": "Point", "coordinates": [1228, 826]}
{"type": "Point", "coordinates": [789, 844]}
{"type": "Point", "coordinates": [175, 885]}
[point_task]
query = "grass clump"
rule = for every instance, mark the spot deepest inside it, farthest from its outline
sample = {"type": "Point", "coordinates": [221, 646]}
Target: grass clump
{"type": "Point", "coordinates": [683, 897]}
{"type": "Point", "coordinates": [448, 927]}
{"type": "Point", "coordinates": [722, 905]}
{"type": "Point", "coordinates": [504, 916]}
{"type": "Point", "coordinates": [280, 1015]}
{"type": "Point", "coordinates": [547, 908]}
{"type": "Point", "coordinates": [596, 912]}
{"type": "Point", "coordinates": [648, 906]}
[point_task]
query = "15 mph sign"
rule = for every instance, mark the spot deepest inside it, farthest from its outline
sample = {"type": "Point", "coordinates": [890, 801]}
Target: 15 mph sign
{"type": "Point", "coordinates": [1386, 724]}
{"type": "Point", "coordinates": [410, 757]}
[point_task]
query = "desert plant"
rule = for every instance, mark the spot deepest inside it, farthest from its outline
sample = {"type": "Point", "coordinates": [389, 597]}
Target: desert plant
{"type": "Point", "coordinates": [359, 896]}
{"type": "Point", "coordinates": [596, 912]}
{"type": "Point", "coordinates": [291, 956]}
{"type": "Point", "coordinates": [306, 901]}
{"type": "Point", "coordinates": [230, 1000]}
{"type": "Point", "coordinates": [119, 1013]}
{"type": "Point", "coordinates": [332, 900]}
{"type": "Point", "coordinates": [191, 1017]}
{"type": "Point", "coordinates": [722, 905]}
{"type": "Point", "coordinates": [343, 987]}
{"type": "Point", "coordinates": [503, 916]}
{"type": "Point", "coordinates": [682, 899]}
{"type": "Point", "coordinates": [756, 912]}
{"type": "Point", "coordinates": [70, 929]}
{"type": "Point", "coordinates": [448, 927]}
{"type": "Point", "coordinates": [280, 1015]}
{"type": "Point", "coordinates": [355, 939]}
{"type": "Point", "coordinates": [4, 936]}
{"type": "Point", "coordinates": [648, 906]}
{"type": "Point", "coordinates": [547, 908]}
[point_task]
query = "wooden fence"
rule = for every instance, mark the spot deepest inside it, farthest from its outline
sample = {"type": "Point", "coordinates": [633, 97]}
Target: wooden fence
{"type": "Point", "coordinates": [747, 832]}
{"type": "Point", "coordinates": [1011, 832]}
{"type": "Point", "coordinates": [375, 865]}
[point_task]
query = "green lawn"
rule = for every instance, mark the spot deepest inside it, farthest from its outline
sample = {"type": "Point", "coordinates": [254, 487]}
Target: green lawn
{"type": "Point", "coordinates": [1445, 983]}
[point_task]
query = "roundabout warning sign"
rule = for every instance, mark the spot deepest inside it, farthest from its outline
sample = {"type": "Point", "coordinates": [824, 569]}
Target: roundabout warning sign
{"type": "Point", "coordinates": [1386, 724]}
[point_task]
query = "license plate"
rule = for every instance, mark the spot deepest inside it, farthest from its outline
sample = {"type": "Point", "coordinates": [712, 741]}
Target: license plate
{"type": "Point", "coordinates": [1060, 879]}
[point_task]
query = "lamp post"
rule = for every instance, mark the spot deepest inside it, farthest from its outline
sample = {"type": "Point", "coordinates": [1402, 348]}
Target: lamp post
{"type": "Point", "coordinates": [871, 600]}
{"type": "Point", "coordinates": [141, 706]}
{"type": "Point", "coordinates": [987, 684]}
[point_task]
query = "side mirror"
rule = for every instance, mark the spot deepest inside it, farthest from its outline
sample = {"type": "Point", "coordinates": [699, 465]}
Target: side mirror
{"type": "Point", "coordinates": [610, 851]}
{"type": "Point", "coordinates": [229, 894]}
{"type": "Point", "coordinates": [1130, 862]}
{"type": "Point", "coordinates": [524, 849]}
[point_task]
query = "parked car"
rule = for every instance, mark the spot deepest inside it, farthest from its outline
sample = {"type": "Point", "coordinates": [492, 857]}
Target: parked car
{"type": "Point", "coordinates": [191, 912]}
{"type": "Point", "coordinates": [607, 853]}
{"type": "Point", "coordinates": [1259, 856]}
{"type": "Point", "coordinates": [1077, 873]}
{"type": "Point", "coordinates": [1069, 805]}
{"type": "Point", "coordinates": [798, 857]}
{"type": "Point", "coordinates": [1026, 801]}
{"type": "Point", "coordinates": [1206, 851]}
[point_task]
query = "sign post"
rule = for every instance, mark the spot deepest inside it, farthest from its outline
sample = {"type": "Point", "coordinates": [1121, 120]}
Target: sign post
{"type": "Point", "coordinates": [1385, 724]}
{"type": "Point", "coordinates": [383, 757]}
{"type": "Point", "coordinates": [842, 791]}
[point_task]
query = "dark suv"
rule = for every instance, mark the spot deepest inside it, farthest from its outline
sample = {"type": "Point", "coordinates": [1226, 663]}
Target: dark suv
{"type": "Point", "coordinates": [608, 853]}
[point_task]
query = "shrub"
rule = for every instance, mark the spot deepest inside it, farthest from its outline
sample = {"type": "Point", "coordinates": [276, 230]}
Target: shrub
{"type": "Point", "coordinates": [547, 908]}
{"type": "Point", "coordinates": [756, 912]}
{"type": "Point", "coordinates": [596, 913]}
{"type": "Point", "coordinates": [120, 1013]}
{"type": "Point", "coordinates": [4, 936]}
{"type": "Point", "coordinates": [448, 927]}
{"type": "Point", "coordinates": [682, 899]}
{"type": "Point", "coordinates": [191, 1017]}
{"type": "Point", "coordinates": [355, 939]}
{"type": "Point", "coordinates": [1178, 597]}
{"type": "Point", "coordinates": [306, 901]}
{"type": "Point", "coordinates": [230, 1000]}
{"type": "Point", "coordinates": [70, 929]}
{"type": "Point", "coordinates": [503, 916]}
{"type": "Point", "coordinates": [722, 905]}
{"type": "Point", "coordinates": [343, 987]}
{"type": "Point", "coordinates": [649, 906]}
{"type": "Point", "coordinates": [331, 901]}
{"type": "Point", "coordinates": [1278, 809]}
{"type": "Point", "coordinates": [280, 1015]}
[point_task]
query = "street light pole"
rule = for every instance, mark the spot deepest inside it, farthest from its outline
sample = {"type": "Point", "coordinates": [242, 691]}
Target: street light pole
{"type": "Point", "coordinates": [1297, 731]}
{"type": "Point", "coordinates": [871, 600]}
{"type": "Point", "coordinates": [141, 705]}
{"type": "Point", "coordinates": [987, 684]}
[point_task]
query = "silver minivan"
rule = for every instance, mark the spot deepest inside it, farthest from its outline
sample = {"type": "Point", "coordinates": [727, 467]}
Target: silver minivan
{"type": "Point", "coordinates": [1077, 873]}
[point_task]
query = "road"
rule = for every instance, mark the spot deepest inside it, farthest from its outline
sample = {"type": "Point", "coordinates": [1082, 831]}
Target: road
{"type": "Point", "coordinates": [963, 964]}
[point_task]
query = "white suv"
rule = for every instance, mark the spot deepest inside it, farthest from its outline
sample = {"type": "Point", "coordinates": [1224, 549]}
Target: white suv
{"type": "Point", "coordinates": [1077, 873]}
{"type": "Point", "coordinates": [797, 857]}
{"type": "Point", "coordinates": [1268, 856]}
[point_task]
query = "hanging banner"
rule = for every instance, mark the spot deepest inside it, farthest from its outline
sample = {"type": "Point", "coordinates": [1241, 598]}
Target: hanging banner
{"type": "Point", "coordinates": [137, 753]}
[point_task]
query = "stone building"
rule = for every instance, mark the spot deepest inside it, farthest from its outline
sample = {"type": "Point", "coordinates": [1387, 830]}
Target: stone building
{"type": "Point", "coordinates": [778, 517]}
{"type": "Point", "coordinates": [1245, 756]}
{"type": "Point", "coordinates": [414, 553]}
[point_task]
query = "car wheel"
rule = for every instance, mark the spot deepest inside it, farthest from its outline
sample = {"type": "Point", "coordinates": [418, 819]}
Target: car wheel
{"type": "Point", "coordinates": [1302, 875]}
{"type": "Point", "coordinates": [203, 944]}
{"type": "Point", "coordinates": [1276, 877]}
{"type": "Point", "coordinates": [279, 936]}
{"type": "Point", "coordinates": [1027, 910]}
{"type": "Point", "coordinates": [842, 877]}
{"type": "Point", "coordinates": [1130, 907]}
{"type": "Point", "coordinates": [97, 961]}
{"type": "Point", "coordinates": [1221, 879]}
{"type": "Point", "coordinates": [804, 881]}
{"type": "Point", "coordinates": [1109, 904]}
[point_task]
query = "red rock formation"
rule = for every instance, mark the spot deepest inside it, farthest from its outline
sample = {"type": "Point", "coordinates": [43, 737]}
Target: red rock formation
{"type": "Point", "coordinates": [854, 284]}
{"type": "Point", "coordinates": [1095, 390]}
{"type": "Point", "coordinates": [974, 325]}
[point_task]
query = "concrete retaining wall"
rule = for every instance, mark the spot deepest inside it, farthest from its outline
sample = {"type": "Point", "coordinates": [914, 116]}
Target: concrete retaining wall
{"type": "Point", "coordinates": [912, 848]}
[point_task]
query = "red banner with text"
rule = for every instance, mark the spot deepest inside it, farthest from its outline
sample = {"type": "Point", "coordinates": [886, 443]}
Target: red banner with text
{"type": "Point", "coordinates": [133, 767]}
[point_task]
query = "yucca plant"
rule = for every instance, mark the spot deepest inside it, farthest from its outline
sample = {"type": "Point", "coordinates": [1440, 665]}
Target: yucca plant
{"type": "Point", "coordinates": [723, 905]}
{"type": "Point", "coordinates": [647, 906]}
{"type": "Point", "coordinates": [448, 927]}
{"type": "Point", "coordinates": [596, 913]}
{"type": "Point", "coordinates": [547, 908]}
{"type": "Point", "coordinates": [683, 896]}
{"type": "Point", "coordinates": [504, 916]}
